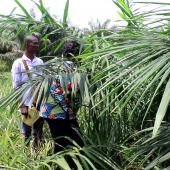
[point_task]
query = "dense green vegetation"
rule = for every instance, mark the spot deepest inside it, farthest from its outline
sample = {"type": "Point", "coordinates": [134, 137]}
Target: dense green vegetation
{"type": "Point", "coordinates": [124, 118]}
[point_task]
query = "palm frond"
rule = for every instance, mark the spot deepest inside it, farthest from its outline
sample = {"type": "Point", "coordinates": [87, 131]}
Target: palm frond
{"type": "Point", "coordinates": [41, 83]}
{"type": "Point", "coordinates": [156, 149]}
{"type": "Point", "coordinates": [65, 15]}
{"type": "Point", "coordinates": [144, 64]}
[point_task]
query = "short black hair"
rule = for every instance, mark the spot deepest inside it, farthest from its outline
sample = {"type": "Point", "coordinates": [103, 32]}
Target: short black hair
{"type": "Point", "coordinates": [28, 38]}
{"type": "Point", "coordinates": [37, 35]}
{"type": "Point", "coordinates": [71, 48]}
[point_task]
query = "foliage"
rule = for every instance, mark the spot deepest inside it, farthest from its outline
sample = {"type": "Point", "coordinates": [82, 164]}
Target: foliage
{"type": "Point", "coordinates": [53, 34]}
{"type": "Point", "coordinates": [14, 154]}
{"type": "Point", "coordinates": [125, 78]}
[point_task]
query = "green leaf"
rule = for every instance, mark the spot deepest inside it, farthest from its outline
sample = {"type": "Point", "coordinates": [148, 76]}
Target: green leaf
{"type": "Point", "coordinates": [23, 9]}
{"type": "Point", "coordinates": [65, 15]}
{"type": "Point", "coordinates": [162, 108]}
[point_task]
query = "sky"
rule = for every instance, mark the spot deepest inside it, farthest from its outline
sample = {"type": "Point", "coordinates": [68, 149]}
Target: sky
{"type": "Point", "coordinates": [81, 12]}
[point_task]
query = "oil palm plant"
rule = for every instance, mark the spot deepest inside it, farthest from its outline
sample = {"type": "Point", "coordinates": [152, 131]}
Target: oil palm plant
{"type": "Point", "coordinates": [131, 76]}
{"type": "Point", "coordinates": [136, 69]}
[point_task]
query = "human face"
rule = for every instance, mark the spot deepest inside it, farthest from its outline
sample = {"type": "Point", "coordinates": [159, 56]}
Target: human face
{"type": "Point", "coordinates": [33, 45]}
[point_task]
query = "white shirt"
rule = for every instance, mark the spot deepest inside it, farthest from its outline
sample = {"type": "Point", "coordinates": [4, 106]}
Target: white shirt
{"type": "Point", "coordinates": [20, 76]}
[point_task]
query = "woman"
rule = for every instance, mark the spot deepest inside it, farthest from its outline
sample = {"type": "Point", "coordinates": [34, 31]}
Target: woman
{"type": "Point", "coordinates": [59, 111]}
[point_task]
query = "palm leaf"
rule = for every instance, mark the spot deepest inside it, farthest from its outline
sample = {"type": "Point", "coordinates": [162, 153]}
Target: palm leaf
{"type": "Point", "coordinates": [65, 16]}
{"type": "Point", "coordinates": [162, 108]}
{"type": "Point", "coordinates": [42, 82]}
{"type": "Point", "coordinates": [23, 9]}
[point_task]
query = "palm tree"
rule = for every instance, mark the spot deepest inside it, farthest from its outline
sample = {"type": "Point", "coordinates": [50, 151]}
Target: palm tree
{"type": "Point", "coordinates": [135, 86]}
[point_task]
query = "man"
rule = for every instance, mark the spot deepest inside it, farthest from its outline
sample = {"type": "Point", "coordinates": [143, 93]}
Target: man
{"type": "Point", "coordinates": [20, 76]}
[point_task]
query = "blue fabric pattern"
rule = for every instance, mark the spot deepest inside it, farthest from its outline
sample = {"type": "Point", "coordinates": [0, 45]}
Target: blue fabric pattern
{"type": "Point", "coordinates": [58, 105]}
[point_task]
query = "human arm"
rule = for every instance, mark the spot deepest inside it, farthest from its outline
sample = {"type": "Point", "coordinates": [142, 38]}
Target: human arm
{"type": "Point", "coordinates": [17, 82]}
{"type": "Point", "coordinates": [16, 74]}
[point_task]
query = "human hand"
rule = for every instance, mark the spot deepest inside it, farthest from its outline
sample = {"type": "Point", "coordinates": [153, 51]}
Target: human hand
{"type": "Point", "coordinates": [24, 111]}
{"type": "Point", "coordinates": [26, 115]}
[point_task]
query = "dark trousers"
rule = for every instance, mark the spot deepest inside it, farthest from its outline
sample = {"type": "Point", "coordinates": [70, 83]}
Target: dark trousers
{"type": "Point", "coordinates": [67, 128]}
{"type": "Point", "coordinates": [36, 131]}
